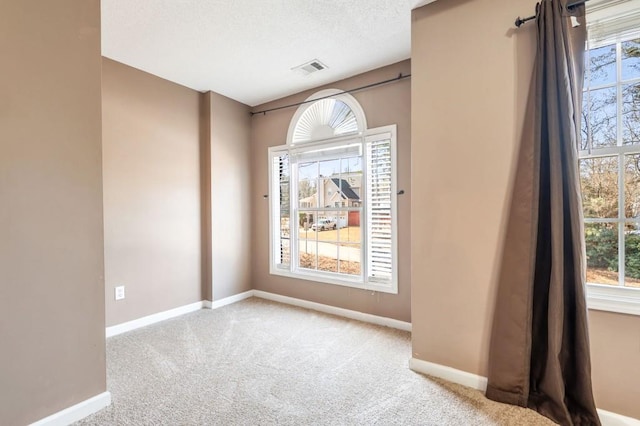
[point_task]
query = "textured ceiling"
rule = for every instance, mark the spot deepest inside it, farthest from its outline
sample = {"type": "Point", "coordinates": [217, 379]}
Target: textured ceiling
{"type": "Point", "coordinates": [245, 49]}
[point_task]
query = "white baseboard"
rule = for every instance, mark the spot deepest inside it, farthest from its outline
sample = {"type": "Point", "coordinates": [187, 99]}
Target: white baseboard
{"type": "Point", "coordinates": [207, 304]}
{"type": "Point", "coordinates": [450, 374]}
{"type": "Point", "coordinates": [480, 383]}
{"type": "Point", "coordinates": [347, 313]}
{"type": "Point", "coordinates": [152, 319]}
{"type": "Point", "coordinates": [76, 412]}
{"type": "Point", "coordinates": [228, 300]}
{"type": "Point", "coordinates": [175, 312]}
{"type": "Point", "coordinates": [607, 418]}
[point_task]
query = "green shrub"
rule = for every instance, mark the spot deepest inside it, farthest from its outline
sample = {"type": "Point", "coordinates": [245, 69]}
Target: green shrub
{"type": "Point", "coordinates": [632, 256]}
{"type": "Point", "coordinates": [602, 250]}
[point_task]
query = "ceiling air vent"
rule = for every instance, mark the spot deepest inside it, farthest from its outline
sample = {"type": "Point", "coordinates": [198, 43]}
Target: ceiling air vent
{"type": "Point", "coordinates": [310, 67]}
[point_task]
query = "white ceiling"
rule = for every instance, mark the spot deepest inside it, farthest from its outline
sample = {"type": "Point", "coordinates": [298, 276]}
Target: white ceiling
{"type": "Point", "coordinates": [245, 49]}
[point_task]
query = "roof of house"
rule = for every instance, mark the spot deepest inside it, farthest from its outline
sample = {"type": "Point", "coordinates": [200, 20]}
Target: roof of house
{"type": "Point", "coordinates": [346, 189]}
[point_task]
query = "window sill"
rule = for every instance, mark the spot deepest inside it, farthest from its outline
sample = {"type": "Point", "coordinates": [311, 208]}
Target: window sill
{"type": "Point", "coordinates": [345, 282]}
{"type": "Point", "coordinates": [623, 300]}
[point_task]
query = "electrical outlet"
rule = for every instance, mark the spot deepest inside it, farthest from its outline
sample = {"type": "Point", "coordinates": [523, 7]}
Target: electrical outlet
{"type": "Point", "coordinates": [119, 292]}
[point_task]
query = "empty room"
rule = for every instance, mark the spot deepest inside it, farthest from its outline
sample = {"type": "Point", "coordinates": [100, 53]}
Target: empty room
{"type": "Point", "coordinates": [391, 212]}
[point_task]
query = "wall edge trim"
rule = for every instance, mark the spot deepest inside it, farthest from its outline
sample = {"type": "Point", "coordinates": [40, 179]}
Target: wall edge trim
{"type": "Point", "coordinates": [114, 330]}
{"type": "Point", "coordinates": [76, 412]}
{"type": "Point", "coordinates": [477, 382]}
{"type": "Point", "coordinates": [333, 310]}
{"type": "Point", "coordinates": [208, 304]}
{"type": "Point", "coordinates": [124, 327]}
{"type": "Point", "coordinates": [614, 419]}
{"type": "Point", "coordinates": [448, 373]}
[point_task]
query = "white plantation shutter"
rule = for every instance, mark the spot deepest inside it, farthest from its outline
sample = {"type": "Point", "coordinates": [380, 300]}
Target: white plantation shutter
{"type": "Point", "coordinates": [380, 207]}
{"type": "Point", "coordinates": [608, 21]}
{"type": "Point", "coordinates": [613, 29]}
{"type": "Point", "coordinates": [281, 208]}
{"type": "Point", "coordinates": [325, 152]}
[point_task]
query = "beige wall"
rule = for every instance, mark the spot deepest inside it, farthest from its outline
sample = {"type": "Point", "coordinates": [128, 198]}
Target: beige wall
{"type": "Point", "coordinates": [51, 249]}
{"type": "Point", "coordinates": [230, 192]}
{"type": "Point", "coordinates": [615, 361]}
{"type": "Point", "coordinates": [152, 207]}
{"type": "Point", "coordinates": [205, 194]}
{"type": "Point", "coordinates": [471, 72]}
{"type": "Point", "coordinates": [383, 105]}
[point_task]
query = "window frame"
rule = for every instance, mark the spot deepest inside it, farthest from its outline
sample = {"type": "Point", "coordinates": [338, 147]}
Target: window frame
{"type": "Point", "coordinates": [293, 271]}
{"type": "Point", "coordinates": [606, 297]}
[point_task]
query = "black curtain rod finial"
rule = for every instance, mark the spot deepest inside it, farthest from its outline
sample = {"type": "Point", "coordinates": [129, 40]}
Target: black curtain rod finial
{"type": "Point", "coordinates": [521, 21]}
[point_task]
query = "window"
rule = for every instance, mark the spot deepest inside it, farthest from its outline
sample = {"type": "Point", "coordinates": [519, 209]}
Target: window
{"type": "Point", "coordinates": [610, 171]}
{"type": "Point", "coordinates": [333, 198]}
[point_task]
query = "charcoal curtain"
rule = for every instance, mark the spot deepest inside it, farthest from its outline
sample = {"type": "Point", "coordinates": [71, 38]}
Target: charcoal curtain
{"type": "Point", "coordinates": [539, 350]}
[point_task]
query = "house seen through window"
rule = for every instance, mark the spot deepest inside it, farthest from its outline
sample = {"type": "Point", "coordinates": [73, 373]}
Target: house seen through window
{"type": "Point", "coordinates": [333, 197]}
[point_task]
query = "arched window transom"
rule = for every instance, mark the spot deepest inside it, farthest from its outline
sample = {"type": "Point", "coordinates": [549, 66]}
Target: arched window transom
{"type": "Point", "coordinates": [326, 118]}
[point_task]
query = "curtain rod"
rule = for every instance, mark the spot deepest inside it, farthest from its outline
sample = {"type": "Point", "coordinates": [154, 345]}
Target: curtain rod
{"type": "Point", "coordinates": [368, 86]}
{"type": "Point", "coordinates": [521, 21]}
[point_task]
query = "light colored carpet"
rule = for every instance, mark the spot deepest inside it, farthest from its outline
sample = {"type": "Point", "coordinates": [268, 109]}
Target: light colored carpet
{"type": "Point", "coordinates": [260, 363]}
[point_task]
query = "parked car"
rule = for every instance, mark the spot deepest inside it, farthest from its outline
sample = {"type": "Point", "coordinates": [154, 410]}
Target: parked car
{"type": "Point", "coordinates": [324, 224]}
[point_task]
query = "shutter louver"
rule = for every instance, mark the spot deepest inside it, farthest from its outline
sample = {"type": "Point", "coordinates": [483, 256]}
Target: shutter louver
{"type": "Point", "coordinates": [379, 209]}
{"type": "Point", "coordinates": [283, 247]}
{"type": "Point", "coordinates": [611, 21]}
